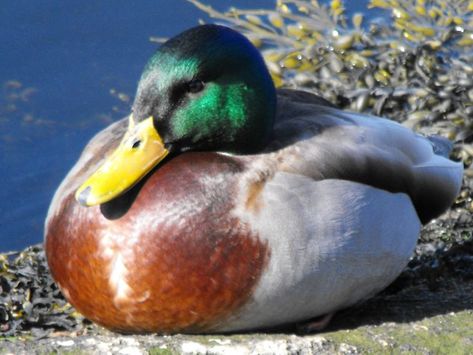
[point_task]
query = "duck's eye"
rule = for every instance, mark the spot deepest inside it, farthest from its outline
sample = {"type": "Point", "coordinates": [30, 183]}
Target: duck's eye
{"type": "Point", "coordinates": [136, 144]}
{"type": "Point", "coordinates": [195, 85]}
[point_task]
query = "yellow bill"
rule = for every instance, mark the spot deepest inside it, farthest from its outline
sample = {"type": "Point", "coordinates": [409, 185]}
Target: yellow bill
{"type": "Point", "coordinates": [140, 150]}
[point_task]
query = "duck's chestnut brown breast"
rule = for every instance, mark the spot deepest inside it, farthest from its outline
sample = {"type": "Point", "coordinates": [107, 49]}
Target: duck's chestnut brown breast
{"type": "Point", "coordinates": [175, 260]}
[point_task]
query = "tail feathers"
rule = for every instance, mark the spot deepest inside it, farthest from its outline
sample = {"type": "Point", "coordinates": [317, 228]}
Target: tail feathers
{"type": "Point", "coordinates": [441, 146]}
{"type": "Point", "coordinates": [438, 182]}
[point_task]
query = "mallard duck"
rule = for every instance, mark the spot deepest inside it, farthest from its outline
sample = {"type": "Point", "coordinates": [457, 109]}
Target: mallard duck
{"type": "Point", "coordinates": [220, 204]}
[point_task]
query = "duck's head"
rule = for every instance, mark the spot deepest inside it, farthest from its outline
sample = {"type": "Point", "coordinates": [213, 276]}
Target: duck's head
{"type": "Point", "coordinates": [205, 89]}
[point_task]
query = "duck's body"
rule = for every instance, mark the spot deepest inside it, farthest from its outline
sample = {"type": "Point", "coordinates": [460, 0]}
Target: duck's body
{"type": "Point", "coordinates": [325, 215]}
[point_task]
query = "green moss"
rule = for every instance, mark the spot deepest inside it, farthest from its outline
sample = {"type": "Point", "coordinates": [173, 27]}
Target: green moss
{"type": "Point", "coordinates": [444, 334]}
{"type": "Point", "coordinates": [69, 352]}
{"type": "Point", "coordinates": [160, 351]}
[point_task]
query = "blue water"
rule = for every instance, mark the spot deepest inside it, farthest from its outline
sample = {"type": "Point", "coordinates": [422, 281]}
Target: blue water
{"type": "Point", "coordinates": [62, 66]}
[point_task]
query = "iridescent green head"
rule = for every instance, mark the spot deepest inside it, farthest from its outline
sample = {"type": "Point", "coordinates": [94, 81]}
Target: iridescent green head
{"type": "Point", "coordinates": [208, 89]}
